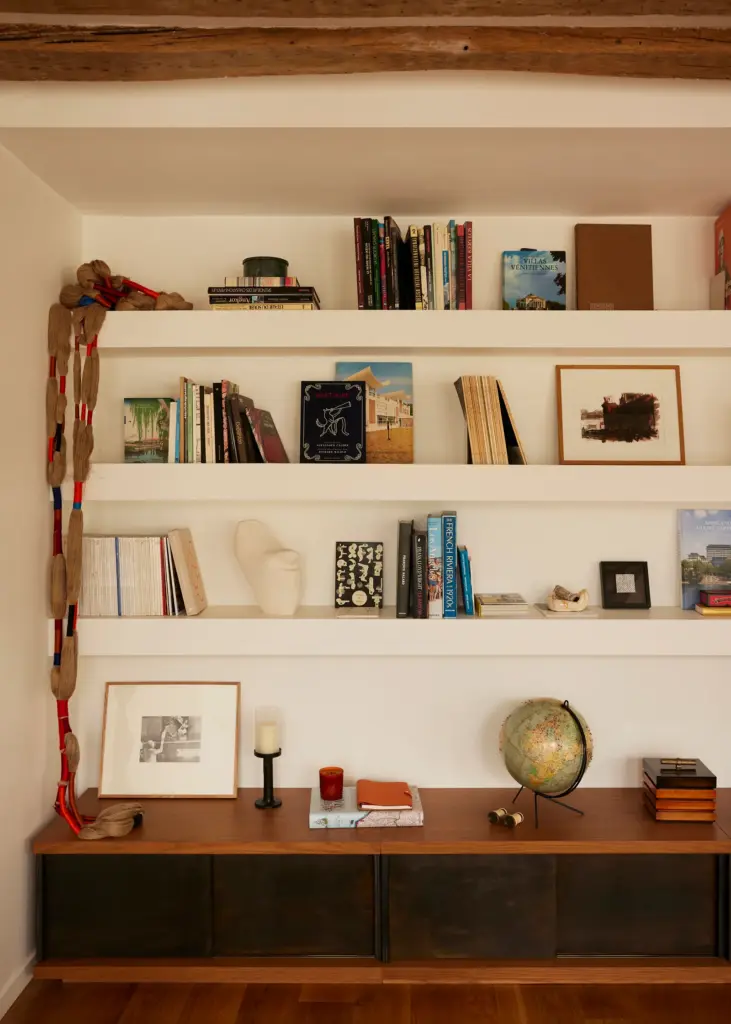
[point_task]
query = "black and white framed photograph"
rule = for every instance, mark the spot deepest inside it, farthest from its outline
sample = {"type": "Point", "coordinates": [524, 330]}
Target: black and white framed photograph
{"type": "Point", "coordinates": [625, 585]}
{"type": "Point", "coordinates": [170, 740]}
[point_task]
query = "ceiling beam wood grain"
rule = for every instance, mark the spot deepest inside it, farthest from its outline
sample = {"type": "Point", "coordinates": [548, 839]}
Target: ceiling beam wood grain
{"type": "Point", "coordinates": [147, 54]}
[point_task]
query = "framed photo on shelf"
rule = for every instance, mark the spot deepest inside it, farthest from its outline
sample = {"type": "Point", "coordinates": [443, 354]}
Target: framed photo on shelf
{"type": "Point", "coordinates": [625, 585]}
{"type": "Point", "coordinates": [149, 750]}
{"type": "Point", "coordinates": [619, 416]}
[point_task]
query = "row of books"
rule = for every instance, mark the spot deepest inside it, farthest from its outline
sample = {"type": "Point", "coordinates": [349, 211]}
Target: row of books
{"type": "Point", "coordinates": [493, 438]}
{"type": "Point", "coordinates": [260, 297]}
{"type": "Point", "coordinates": [714, 603]}
{"type": "Point", "coordinates": [141, 576]}
{"type": "Point", "coordinates": [398, 806]}
{"type": "Point", "coordinates": [434, 572]}
{"type": "Point", "coordinates": [431, 268]}
{"type": "Point", "coordinates": [679, 789]}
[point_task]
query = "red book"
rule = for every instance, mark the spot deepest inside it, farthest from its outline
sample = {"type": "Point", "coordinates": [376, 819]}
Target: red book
{"type": "Point", "coordinates": [266, 435]}
{"type": "Point", "coordinates": [468, 262]}
{"type": "Point", "coordinates": [358, 233]}
{"type": "Point", "coordinates": [715, 598]}
{"type": "Point", "coordinates": [461, 268]}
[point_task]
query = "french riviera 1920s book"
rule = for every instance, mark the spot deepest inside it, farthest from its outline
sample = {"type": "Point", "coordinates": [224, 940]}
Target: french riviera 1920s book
{"type": "Point", "coordinates": [358, 575]}
{"type": "Point", "coordinates": [146, 429]}
{"type": "Point", "coordinates": [345, 813]}
{"type": "Point", "coordinates": [534, 279]}
{"type": "Point", "coordinates": [449, 558]}
{"type": "Point", "coordinates": [332, 421]}
{"type": "Point", "coordinates": [403, 581]}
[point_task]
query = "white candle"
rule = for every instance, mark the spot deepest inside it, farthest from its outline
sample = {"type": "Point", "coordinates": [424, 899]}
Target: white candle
{"type": "Point", "coordinates": [267, 737]}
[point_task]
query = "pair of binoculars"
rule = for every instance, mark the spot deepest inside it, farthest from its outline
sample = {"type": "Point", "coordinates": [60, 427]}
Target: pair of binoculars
{"type": "Point", "coordinates": [503, 817]}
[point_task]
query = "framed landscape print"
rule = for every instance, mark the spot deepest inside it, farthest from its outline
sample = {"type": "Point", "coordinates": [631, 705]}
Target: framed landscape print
{"type": "Point", "coordinates": [170, 740]}
{"type": "Point", "coordinates": [619, 415]}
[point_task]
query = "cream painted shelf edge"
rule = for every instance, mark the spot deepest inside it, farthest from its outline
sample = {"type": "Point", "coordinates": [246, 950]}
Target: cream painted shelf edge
{"type": "Point", "coordinates": [683, 486]}
{"type": "Point", "coordinates": [624, 332]}
{"type": "Point", "coordinates": [229, 631]}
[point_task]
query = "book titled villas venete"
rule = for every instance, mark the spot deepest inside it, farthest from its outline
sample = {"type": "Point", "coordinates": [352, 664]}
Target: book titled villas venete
{"type": "Point", "coordinates": [534, 279]}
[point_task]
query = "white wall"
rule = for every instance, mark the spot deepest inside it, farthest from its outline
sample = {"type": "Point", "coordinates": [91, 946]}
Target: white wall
{"type": "Point", "coordinates": [41, 241]}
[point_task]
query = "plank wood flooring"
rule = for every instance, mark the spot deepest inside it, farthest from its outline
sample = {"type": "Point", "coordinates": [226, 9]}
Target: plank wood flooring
{"type": "Point", "coordinates": [51, 1002]}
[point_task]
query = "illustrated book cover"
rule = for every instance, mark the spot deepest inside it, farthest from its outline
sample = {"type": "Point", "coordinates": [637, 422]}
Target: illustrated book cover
{"type": "Point", "coordinates": [389, 413]}
{"type": "Point", "coordinates": [705, 552]}
{"type": "Point", "coordinates": [266, 436]}
{"type": "Point", "coordinates": [332, 421]}
{"type": "Point", "coordinates": [358, 574]}
{"type": "Point", "coordinates": [534, 279]}
{"type": "Point", "coordinates": [345, 813]}
{"type": "Point", "coordinates": [449, 556]}
{"type": "Point", "coordinates": [146, 429]}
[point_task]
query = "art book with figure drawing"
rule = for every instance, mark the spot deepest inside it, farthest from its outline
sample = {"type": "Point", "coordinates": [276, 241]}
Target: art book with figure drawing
{"type": "Point", "coordinates": [332, 421]}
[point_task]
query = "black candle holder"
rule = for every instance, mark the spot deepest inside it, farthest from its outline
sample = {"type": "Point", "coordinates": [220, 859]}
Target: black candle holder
{"type": "Point", "coordinates": [268, 799]}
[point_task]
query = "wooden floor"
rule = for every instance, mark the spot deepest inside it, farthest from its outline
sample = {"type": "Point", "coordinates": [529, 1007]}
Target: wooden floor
{"type": "Point", "coordinates": [56, 1003]}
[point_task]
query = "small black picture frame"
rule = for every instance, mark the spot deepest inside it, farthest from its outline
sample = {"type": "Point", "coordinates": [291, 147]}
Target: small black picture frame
{"type": "Point", "coordinates": [625, 585]}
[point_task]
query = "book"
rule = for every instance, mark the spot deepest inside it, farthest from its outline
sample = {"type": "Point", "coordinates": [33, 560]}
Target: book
{"type": "Point", "coordinates": [614, 266]}
{"type": "Point", "coordinates": [242, 447]}
{"type": "Point", "coordinates": [704, 539]}
{"type": "Point", "coordinates": [359, 278]}
{"type": "Point", "coordinates": [264, 307]}
{"type": "Point", "coordinates": [452, 242]}
{"type": "Point", "coordinates": [198, 425]}
{"type": "Point", "coordinates": [420, 600]}
{"type": "Point", "coordinates": [429, 257]}
{"type": "Point", "coordinates": [449, 556]}
{"type": "Point", "coordinates": [500, 604]}
{"type": "Point", "coordinates": [661, 802]}
{"type": "Point", "coordinates": [719, 612]}
{"type": "Point", "coordinates": [266, 436]}
{"type": "Point", "coordinates": [492, 435]}
{"type": "Point", "coordinates": [333, 421]}
{"type": "Point", "coordinates": [209, 439]}
{"type": "Point", "coordinates": [389, 408]}
{"type": "Point", "coordinates": [465, 578]}
{"type": "Point", "coordinates": [696, 796]}
{"type": "Point", "coordinates": [383, 796]}
{"type": "Point", "coordinates": [382, 264]}
{"type": "Point", "coordinates": [261, 282]}
{"type": "Point", "coordinates": [534, 279]}
{"type": "Point", "coordinates": [345, 813]}
{"type": "Point", "coordinates": [218, 410]}
{"type": "Point", "coordinates": [99, 590]}
{"type": "Point", "coordinates": [188, 571]}
{"type": "Point", "coordinates": [468, 263]}
{"type": "Point", "coordinates": [172, 430]}
{"type": "Point", "coordinates": [146, 429]}
{"type": "Point", "coordinates": [403, 567]}
{"type": "Point", "coordinates": [668, 773]}
{"type": "Point", "coordinates": [434, 570]}
{"type": "Point", "coordinates": [190, 389]}
{"type": "Point", "coordinates": [422, 269]}
{"type": "Point", "coordinates": [715, 598]}
{"type": "Point", "coordinates": [307, 292]}
{"type": "Point", "coordinates": [277, 301]}
{"type": "Point", "coordinates": [461, 268]}
{"type": "Point", "coordinates": [358, 574]}
{"type": "Point", "coordinates": [376, 261]}
{"type": "Point", "coordinates": [368, 263]}
{"type": "Point", "coordinates": [415, 265]}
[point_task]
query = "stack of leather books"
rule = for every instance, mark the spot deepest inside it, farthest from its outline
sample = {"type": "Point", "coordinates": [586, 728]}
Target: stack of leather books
{"type": "Point", "coordinates": [679, 789]}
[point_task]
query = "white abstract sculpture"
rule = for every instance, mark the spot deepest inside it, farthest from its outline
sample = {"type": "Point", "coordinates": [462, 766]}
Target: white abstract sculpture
{"type": "Point", "coordinates": [273, 572]}
{"type": "Point", "coordinates": [562, 600]}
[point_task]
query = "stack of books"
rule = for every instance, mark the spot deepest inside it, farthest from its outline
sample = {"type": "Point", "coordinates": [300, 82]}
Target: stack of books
{"type": "Point", "coordinates": [434, 573]}
{"type": "Point", "coordinates": [428, 268]}
{"type": "Point", "coordinates": [492, 437]}
{"type": "Point", "coordinates": [141, 576]}
{"type": "Point", "coordinates": [714, 603]}
{"type": "Point", "coordinates": [205, 424]}
{"type": "Point", "coordinates": [255, 294]}
{"type": "Point", "coordinates": [494, 605]}
{"type": "Point", "coordinates": [369, 805]}
{"type": "Point", "coordinates": [679, 789]}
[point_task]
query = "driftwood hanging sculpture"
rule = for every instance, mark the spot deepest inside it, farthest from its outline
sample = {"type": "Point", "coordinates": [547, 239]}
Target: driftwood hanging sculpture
{"type": "Point", "coordinates": [81, 312]}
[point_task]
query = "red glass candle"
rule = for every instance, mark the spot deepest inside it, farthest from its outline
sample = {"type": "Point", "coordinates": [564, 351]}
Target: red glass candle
{"type": "Point", "coordinates": [331, 784]}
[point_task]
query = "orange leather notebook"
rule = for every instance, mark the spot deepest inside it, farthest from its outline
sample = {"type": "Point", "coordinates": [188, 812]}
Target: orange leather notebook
{"type": "Point", "coordinates": [383, 796]}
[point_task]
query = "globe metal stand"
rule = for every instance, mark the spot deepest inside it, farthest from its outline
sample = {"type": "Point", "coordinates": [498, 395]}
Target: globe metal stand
{"type": "Point", "coordinates": [558, 797]}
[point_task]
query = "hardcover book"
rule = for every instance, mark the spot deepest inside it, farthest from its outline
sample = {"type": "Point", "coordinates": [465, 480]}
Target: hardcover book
{"type": "Point", "coordinates": [403, 582]}
{"type": "Point", "coordinates": [614, 266]}
{"type": "Point", "coordinates": [419, 596]}
{"type": "Point", "coordinates": [345, 813]}
{"type": "Point", "coordinates": [358, 574]}
{"type": "Point", "coordinates": [266, 436]}
{"type": "Point", "coordinates": [449, 555]}
{"type": "Point", "coordinates": [434, 567]}
{"type": "Point", "coordinates": [667, 773]}
{"type": "Point", "coordinates": [534, 279]}
{"type": "Point", "coordinates": [465, 578]}
{"type": "Point", "coordinates": [332, 421]}
{"type": "Point", "coordinates": [705, 553]}
{"type": "Point", "coordinates": [389, 408]}
{"type": "Point", "coordinates": [146, 429]}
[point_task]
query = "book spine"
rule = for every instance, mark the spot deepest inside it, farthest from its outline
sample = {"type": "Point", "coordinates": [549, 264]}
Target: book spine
{"type": "Point", "coordinates": [452, 242]}
{"type": "Point", "coordinates": [218, 420]}
{"type": "Point", "coordinates": [712, 600]}
{"type": "Point", "coordinates": [382, 264]}
{"type": "Point", "coordinates": [376, 261]}
{"type": "Point", "coordinates": [210, 408]}
{"type": "Point", "coordinates": [263, 307]}
{"type": "Point", "coordinates": [178, 431]}
{"type": "Point", "coordinates": [422, 270]}
{"type": "Point", "coordinates": [252, 300]}
{"type": "Point", "coordinates": [395, 256]}
{"type": "Point", "coordinates": [225, 388]}
{"type": "Point", "coordinates": [232, 411]}
{"type": "Point", "coordinates": [461, 269]}
{"type": "Point", "coordinates": [415, 267]}
{"type": "Point", "coordinates": [468, 263]}
{"type": "Point", "coordinates": [272, 289]}
{"type": "Point", "coordinates": [429, 254]}
{"type": "Point", "coordinates": [449, 555]}
{"type": "Point", "coordinates": [368, 264]}
{"type": "Point", "coordinates": [465, 575]}
{"type": "Point", "coordinates": [171, 430]}
{"type": "Point", "coordinates": [199, 424]}
{"type": "Point", "coordinates": [434, 567]}
{"type": "Point", "coordinates": [388, 247]}
{"type": "Point", "coordinates": [403, 582]}
{"type": "Point", "coordinates": [419, 608]}
{"type": "Point", "coordinates": [446, 281]}
{"type": "Point", "coordinates": [264, 282]}
{"type": "Point", "coordinates": [182, 417]}
{"type": "Point", "coordinates": [358, 234]}
{"type": "Point", "coordinates": [190, 428]}
{"type": "Point", "coordinates": [117, 566]}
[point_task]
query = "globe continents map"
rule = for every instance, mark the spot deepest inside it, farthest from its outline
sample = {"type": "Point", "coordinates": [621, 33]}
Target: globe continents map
{"type": "Point", "coordinates": [542, 746]}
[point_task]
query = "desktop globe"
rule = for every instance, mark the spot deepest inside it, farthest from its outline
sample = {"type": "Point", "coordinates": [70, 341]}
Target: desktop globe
{"type": "Point", "coordinates": [543, 748]}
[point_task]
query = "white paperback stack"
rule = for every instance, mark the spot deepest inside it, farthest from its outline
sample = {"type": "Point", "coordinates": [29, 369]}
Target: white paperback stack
{"type": "Point", "coordinates": [345, 813]}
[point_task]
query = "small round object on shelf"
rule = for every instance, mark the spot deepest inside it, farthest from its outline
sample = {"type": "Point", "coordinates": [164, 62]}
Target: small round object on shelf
{"type": "Point", "coordinates": [547, 746]}
{"type": "Point", "coordinates": [265, 266]}
{"type": "Point", "coordinates": [497, 816]}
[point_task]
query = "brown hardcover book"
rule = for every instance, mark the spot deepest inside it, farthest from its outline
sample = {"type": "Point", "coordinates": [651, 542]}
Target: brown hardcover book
{"type": "Point", "coordinates": [661, 803]}
{"type": "Point", "coordinates": [696, 795]}
{"type": "Point", "coordinates": [671, 775]}
{"type": "Point", "coordinates": [689, 816]}
{"type": "Point", "coordinates": [614, 266]}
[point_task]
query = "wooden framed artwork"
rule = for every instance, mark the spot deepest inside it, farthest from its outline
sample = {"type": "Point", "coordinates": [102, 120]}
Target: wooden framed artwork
{"type": "Point", "coordinates": [620, 415]}
{"type": "Point", "coordinates": [150, 750]}
{"type": "Point", "coordinates": [625, 585]}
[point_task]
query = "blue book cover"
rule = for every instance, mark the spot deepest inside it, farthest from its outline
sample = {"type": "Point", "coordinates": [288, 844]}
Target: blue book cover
{"type": "Point", "coordinates": [534, 279]}
{"type": "Point", "coordinates": [705, 552]}
{"type": "Point", "coordinates": [449, 554]}
{"type": "Point", "coordinates": [465, 575]}
{"type": "Point", "coordinates": [434, 567]}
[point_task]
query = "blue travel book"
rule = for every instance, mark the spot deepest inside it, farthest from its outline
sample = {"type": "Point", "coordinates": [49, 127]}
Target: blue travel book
{"type": "Point", "coordinates": [434, 567]}
{"type": "Point", "coordinates": [449, 555]}
{"type": "Point", "coordinates": [465, 575]}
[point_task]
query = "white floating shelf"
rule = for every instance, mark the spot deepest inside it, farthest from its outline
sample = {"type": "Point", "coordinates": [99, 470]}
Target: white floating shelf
{"type": "Point", "coordinates": [296, 482]}
{"type": "Point", "coordinates": [622, 332]}
{"type": "Point", "coordinates": [316, 632]}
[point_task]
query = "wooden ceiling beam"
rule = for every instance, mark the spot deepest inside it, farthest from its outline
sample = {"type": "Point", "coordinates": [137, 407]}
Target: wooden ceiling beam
{"type": "Point", "coordinates": [146, 54]}
{"type": "Point", "coordinates": [306, 9]}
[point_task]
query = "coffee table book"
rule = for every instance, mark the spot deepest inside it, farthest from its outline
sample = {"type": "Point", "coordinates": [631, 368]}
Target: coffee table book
{"type": "Point", "coordinates": [346, 813]}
